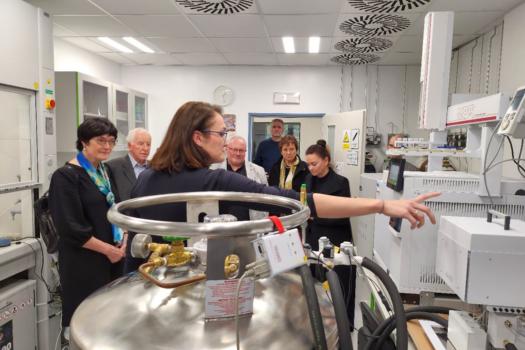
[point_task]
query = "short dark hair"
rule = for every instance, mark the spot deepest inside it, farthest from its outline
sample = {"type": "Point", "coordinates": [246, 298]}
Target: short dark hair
{"type": "Point", "coordinates": [93, 127]}
{"type": "Point", "coordinates": [320, 150]}
{"type": "Point", "coordinates": [288, 140]}
{"type": "Point", "coordinates": [277, 120]}
{"type": "Point", "coordinates": [178, 151]}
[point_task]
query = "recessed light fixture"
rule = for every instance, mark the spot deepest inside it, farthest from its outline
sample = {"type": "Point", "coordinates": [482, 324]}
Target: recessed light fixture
{"type": "Point", "coordinates": [288, 43]}
{"type": "Point", "coordinates": [116, 45]}
{"type": "Point", "coordinates": [138, 44]}
{"type": "Point", "coordinates": [313, 44]}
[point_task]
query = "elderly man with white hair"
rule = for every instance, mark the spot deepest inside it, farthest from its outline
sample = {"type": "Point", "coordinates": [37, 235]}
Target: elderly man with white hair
{"type": "Point", "coordinates": [236, 162]}
{"type": "Point", "coordinates": [124, 171]}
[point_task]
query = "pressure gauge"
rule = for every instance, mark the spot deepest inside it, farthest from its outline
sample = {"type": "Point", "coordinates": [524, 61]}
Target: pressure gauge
{"type": "Point", "coordinates": [223, 95]}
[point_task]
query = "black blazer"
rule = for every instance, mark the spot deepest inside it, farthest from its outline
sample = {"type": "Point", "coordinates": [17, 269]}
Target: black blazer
{"type": "Point", "coordinates": [122, 177]}
{"type": "Point", "coordinates": [298, 178]}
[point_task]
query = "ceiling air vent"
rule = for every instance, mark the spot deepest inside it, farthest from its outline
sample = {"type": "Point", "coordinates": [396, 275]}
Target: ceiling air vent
{"type": "Point", "coordinates": [216, 7]}
{"type": "Point", "coordinates": [374, 25]}
{"type": "Point", "coordinates": [388, 6]}
{"type": "Point", "coordinates": [363, 45]}
{"type": "Point", "coordinates": [357, 58]}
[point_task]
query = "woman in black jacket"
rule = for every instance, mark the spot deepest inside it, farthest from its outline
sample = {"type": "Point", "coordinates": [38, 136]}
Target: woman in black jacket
{"type": "Point", "coordinates": [290, 171]}
{"type": "Point", "coordinates": [90, 248]}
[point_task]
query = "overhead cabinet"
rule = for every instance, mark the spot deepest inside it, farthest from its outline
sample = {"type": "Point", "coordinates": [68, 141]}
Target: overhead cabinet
{"type": "Point", "coordinates": [80, 97]}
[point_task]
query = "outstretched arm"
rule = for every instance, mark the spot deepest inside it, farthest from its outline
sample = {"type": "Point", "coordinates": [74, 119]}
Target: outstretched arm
{"type": "Point", "coordinates": [410, 209]}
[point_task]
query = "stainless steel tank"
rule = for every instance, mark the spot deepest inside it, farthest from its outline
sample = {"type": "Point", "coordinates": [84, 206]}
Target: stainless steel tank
{"type": "Point", "coordinates": [132, 313]}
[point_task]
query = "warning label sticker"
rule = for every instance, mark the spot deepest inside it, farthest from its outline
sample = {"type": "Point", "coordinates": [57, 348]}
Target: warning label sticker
{"type": "Point", "coordinates": [220, 297]}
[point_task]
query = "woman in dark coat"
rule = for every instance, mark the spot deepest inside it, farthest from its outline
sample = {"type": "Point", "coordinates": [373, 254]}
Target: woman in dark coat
{"type": "Point", "coordinates": [290, 171]}
{"type": "Point", "coordinates": [90, 248]}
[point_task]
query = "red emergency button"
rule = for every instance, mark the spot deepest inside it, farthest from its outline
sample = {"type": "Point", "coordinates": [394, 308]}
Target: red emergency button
{"type": "Point", "coordinates": [50, 103]}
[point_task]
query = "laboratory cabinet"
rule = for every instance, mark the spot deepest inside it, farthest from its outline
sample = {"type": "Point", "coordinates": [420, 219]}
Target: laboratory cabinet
{"type": "Point", "coordinates": [80, 96]}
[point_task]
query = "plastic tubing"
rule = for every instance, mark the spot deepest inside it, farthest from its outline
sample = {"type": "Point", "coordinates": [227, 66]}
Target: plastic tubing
{"type": "Point", "coordinates": [341, 316]}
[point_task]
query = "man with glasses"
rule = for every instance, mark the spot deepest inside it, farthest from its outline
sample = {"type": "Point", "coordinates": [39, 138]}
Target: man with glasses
{"type": "Point", "coordinates": [268, 152]}
{"type": "Point", "coordinates": [236, 162]}
{"type": "Point", "coordinates": [124, 171]}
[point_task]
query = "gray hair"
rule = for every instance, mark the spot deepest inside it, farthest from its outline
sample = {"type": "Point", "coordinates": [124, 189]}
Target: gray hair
{"type": "Point", "coordinates": [237, 137]}
{"type": "Point", "coordinates": [131, 135]}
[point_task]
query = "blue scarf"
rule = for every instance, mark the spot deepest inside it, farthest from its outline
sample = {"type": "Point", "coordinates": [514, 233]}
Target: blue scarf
{"type": "Point", "coordinates": [101, 180]}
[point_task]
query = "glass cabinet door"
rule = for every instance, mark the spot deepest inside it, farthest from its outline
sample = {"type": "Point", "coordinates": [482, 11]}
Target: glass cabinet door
{"type": "Point", "coordinates": [140, 112]}
{"type": "Point", "coordinates": [95, 100]}
{"type": "Point", "coordinates": [122, 115]}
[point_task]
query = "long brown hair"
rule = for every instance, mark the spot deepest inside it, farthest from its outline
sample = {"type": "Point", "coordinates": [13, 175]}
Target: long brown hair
{"type": "Point", "coordinates": [178, 151]}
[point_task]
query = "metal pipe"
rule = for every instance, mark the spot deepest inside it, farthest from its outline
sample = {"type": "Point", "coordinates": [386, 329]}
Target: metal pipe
{"type": "Point", "coordinates": [487, 73]}
{"type": "Point", "coordinates": [239, 228]}
{"type": "Point", "coordinates": [143, 269]}
{"type": "Point", "coordinates": [471, 64]}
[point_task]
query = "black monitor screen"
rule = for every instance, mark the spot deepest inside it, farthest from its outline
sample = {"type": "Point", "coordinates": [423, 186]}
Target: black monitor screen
{"type": "Point", "coordinates": [395, 174]}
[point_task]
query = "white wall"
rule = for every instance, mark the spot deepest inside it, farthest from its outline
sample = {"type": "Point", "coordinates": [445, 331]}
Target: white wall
{"type": "Point", "coordinates": [169, 87]}
{"type": "Point", "coordinates": [393, 97]}
{"type": "Point", "coordinates": [72, 58]}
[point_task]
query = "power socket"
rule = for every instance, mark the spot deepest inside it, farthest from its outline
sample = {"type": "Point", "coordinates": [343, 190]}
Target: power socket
{"type": "Point", "coordinates": [282, 252]}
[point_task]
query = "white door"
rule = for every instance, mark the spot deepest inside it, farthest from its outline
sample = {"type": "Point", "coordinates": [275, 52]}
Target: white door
{"type": "Point", "coordinates": [345, 135]}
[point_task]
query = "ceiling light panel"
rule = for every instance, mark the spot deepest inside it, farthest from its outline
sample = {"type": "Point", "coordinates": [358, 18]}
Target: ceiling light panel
{"type": "Point", "coordinates": [288, 44]}
{"type": "Point", "coordinates": [137, 44]}
{"type": "Point", "coordinates": [314, 43]}
{"type": "Point", "coordinates": [114, 44]}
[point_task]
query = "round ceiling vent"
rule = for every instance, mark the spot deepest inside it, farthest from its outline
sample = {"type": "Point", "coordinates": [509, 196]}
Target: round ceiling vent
{"type": "Point", "coordinates": [387, 6]}
{"type": "Point", "coordinates": [216, 7]}
{"type": "Point", "coordinates": [357, 58]}
{"type": "Point", "coordinates": [374, 25]}
{"type": "Point", "coordinates": [363, 45]}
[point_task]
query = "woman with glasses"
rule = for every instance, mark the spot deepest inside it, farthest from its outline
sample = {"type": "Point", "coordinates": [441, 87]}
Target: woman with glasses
{"type": "Point", "coordinates": [290, 171]}
{"type": "Point", "coordinates": [90, 248]}
{"type": "Point", "coordinates": [195, 139]}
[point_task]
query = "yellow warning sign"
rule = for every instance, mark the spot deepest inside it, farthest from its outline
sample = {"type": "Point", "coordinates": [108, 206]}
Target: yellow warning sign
{"type": "Point", "coordinates": [346, 139]}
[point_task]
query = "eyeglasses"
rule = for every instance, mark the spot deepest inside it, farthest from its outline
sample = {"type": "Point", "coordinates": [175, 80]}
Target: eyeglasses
{"type": "Point", "coordinates": [236, 150]}
{"type": "Point", "coordinates": [222, 134]}
{"type": "Point", "coordinates": [102, 141]}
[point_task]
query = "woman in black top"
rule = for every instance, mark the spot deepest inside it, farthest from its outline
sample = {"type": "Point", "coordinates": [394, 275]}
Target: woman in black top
{"type": "Point", "coordinates": [90, 248]}
{"type": "Point", "coordinates": [322, 179]}
{"type": "Point", "coordinates": [195, 139]}
{"type": "Point", "coordinates": [290, 171]}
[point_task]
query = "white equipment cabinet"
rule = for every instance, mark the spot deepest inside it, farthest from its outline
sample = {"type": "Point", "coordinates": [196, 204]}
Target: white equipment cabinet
{"type": "Point", "coordinates": [80, 96]}
{"type": "Point", "coordinates": [481, 261]}
{"type": "Point", "coordinates": [410, 255]}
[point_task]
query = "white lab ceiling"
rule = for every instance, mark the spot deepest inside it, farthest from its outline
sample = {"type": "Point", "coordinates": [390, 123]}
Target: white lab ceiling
{"type": "Point", "coordinates": [249, 32]}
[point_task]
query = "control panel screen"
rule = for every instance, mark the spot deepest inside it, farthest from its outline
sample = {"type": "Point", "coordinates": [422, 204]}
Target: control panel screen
{"type": "Point", "coordinates": [396, 171]}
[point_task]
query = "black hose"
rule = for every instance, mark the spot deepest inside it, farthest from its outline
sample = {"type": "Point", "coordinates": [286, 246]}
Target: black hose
{"type": "Point", "coordinates": [414, 315]}
{"type": "Point", "coordinates": [341, 316]}
{"type": "Point", "coordinates": [314, 312]}
{"type": "Point", "coordinates": [399, 311]}
{"type": "Point", "coordinates": [510, 346]}
{"type": "Point", "coordinates": [383, 325]}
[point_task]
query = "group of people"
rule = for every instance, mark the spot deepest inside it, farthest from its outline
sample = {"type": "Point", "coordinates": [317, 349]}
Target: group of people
{"type": "Point", "coordinates": [91, 249]}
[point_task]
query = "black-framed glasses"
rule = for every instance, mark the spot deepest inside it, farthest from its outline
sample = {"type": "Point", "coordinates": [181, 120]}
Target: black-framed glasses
{"type": "Point", "coordinates": [222, 134]}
